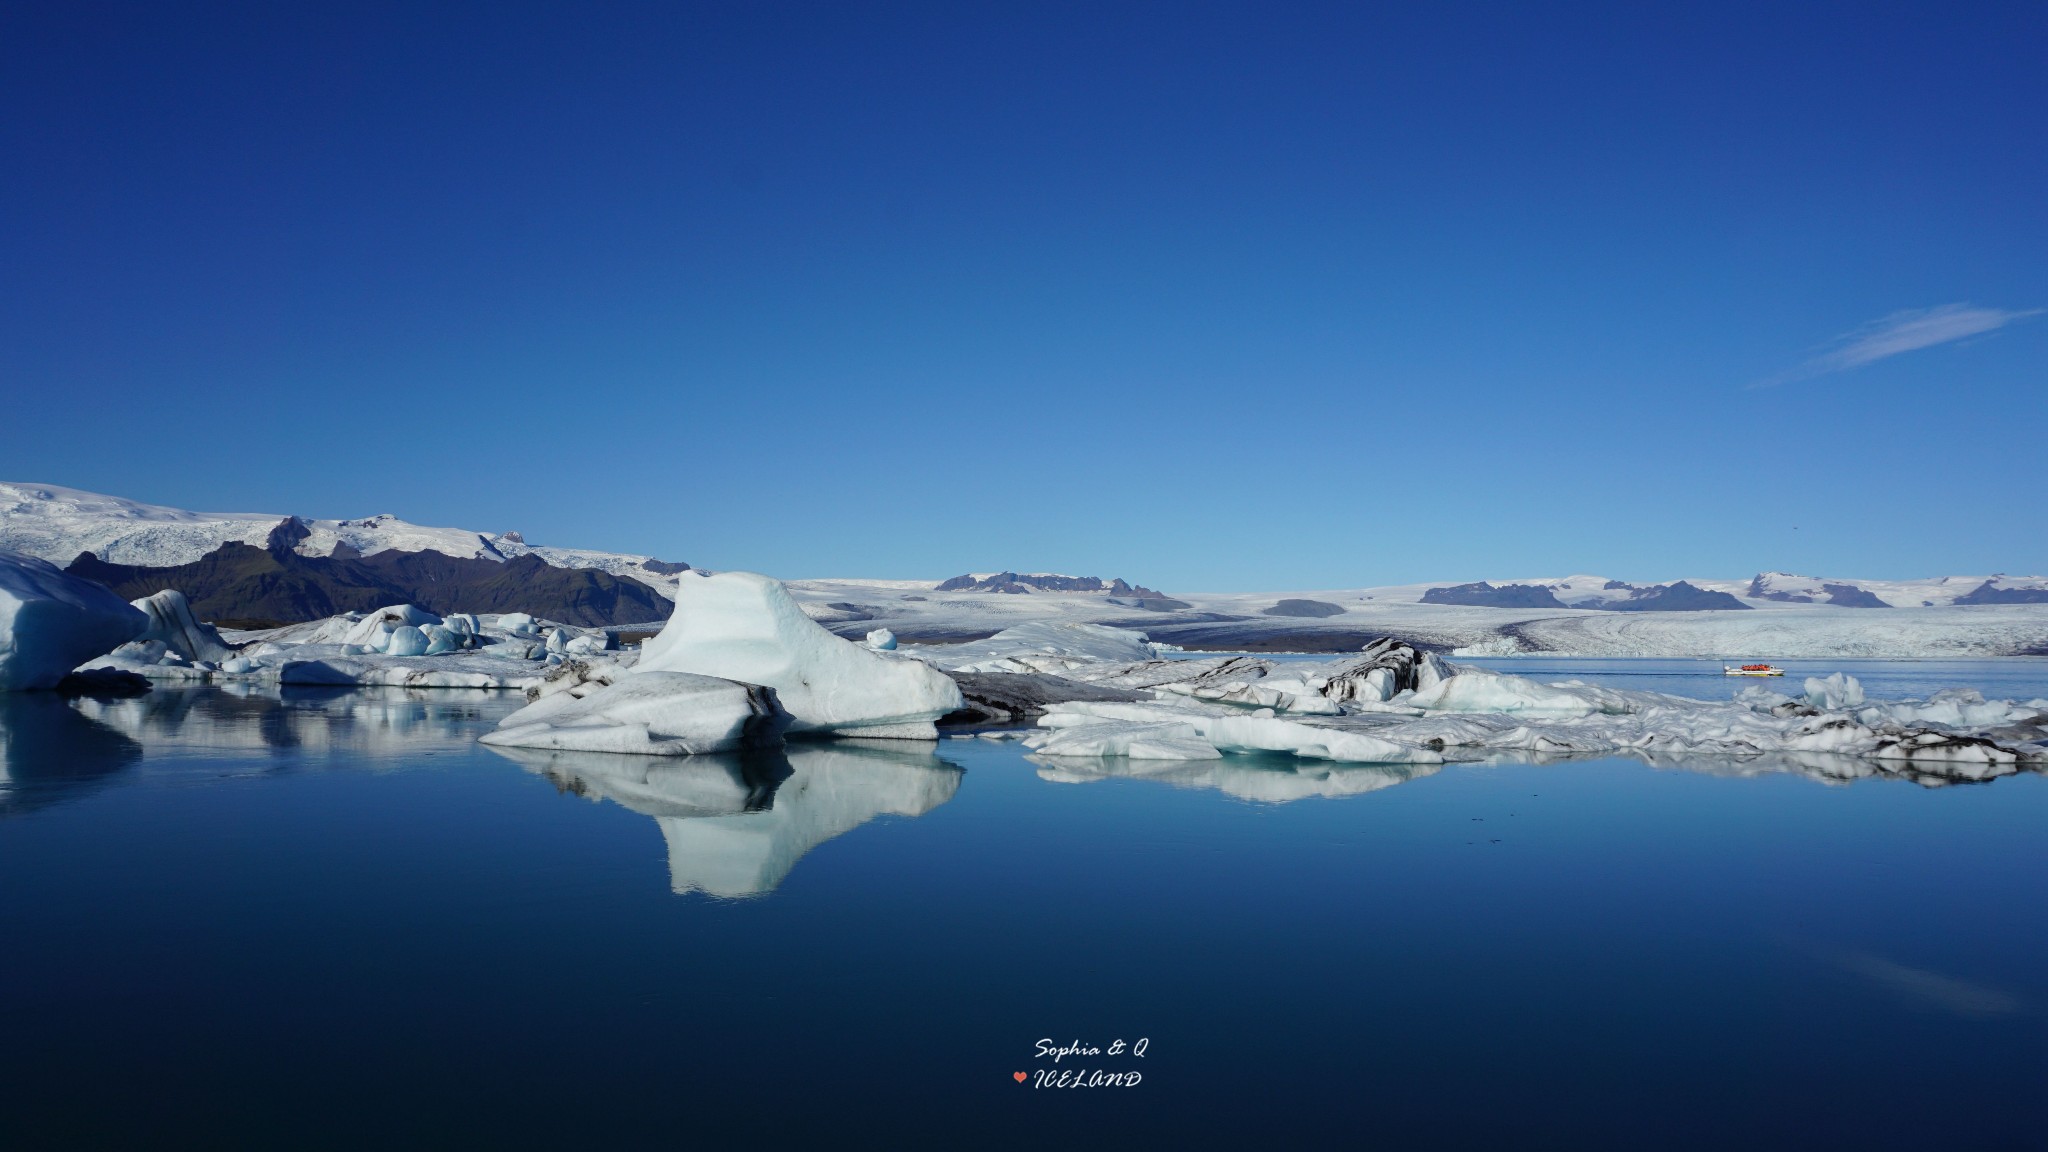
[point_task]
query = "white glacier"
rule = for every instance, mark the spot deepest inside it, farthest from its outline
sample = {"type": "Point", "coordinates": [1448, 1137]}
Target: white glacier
{"type": "Point", "coordinates": [1788, 616]}
{"type": "Point", "coordinates": [1929, 619]}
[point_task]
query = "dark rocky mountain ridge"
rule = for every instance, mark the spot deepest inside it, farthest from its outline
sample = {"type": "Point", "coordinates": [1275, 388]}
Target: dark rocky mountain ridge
{"type": "Point", "coordinates": [1678, 596]}
{"type": "Point", "coordinates": [1484, 595]}
{"type": "Point", "coordinates": [242, 586]}
{"type": "Point", "coordinates": [1013, 583]}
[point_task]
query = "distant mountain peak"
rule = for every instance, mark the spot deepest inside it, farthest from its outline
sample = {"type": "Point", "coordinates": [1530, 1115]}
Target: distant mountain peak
{"type": "Point", "coordinates": [1021, 583]}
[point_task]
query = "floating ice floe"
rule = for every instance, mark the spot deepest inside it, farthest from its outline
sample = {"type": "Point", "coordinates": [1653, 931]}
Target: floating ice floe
{"type": "Point", "coordinates": [50, 622]}
{"type": "Point", "coordinates": [648, 713]}
{"type": "Point", "coordinates": [1392, 705]}
{"type": "Point", "coordinates": [402, 645]}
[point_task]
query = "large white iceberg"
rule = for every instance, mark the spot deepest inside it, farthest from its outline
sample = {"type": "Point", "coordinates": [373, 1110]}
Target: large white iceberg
{"type": "Point", "coordinates": [51, 622]}
{"type": "Point", "coordinates": [745, 627]}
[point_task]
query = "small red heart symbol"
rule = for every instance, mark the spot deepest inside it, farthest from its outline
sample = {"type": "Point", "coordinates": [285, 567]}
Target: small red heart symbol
{"type": "Point", "coordinates": [1017, 1076]}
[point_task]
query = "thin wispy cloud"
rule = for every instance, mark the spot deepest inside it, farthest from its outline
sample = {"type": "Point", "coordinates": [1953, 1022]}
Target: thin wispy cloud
{"type": "Point", "coordinates": [1904, 331]}
{"type": "Point", "coordinates": [1932, 989]}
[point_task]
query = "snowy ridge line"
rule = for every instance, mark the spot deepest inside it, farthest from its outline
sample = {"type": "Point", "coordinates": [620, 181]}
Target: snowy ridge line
{"type": "Point", "coordinates": [56, 523]}
{"type": "Point", "coordinates": [1245, 621]}
{"type": "Point", "coordinates": [1781, 616]}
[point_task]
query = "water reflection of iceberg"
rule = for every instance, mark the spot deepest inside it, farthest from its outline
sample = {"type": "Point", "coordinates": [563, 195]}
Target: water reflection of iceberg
{"type": "Point", "coordinates": [50, 753]}
{"type": "Point", "coordinates": [1278, 780]}
{"type": "Point", "coordinates": [265, 720]}
{"type": "Point", "coordinates": [1830, 768]}
{"type": "Point", "coordinates": [737, 823]}
{"type": "Point", "coordinates": [1270, 780]}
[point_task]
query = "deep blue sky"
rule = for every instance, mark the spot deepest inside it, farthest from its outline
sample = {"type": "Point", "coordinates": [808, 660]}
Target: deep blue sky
{"type": "Point", "coordinates": [1208, 297]}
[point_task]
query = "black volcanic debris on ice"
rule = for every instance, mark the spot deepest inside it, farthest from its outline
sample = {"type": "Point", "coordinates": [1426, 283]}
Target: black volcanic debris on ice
{"type": "Point", "coordinates": [242, 586]}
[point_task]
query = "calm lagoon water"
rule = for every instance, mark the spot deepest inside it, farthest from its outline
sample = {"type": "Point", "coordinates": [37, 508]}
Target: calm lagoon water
{"type": "Point", "coordinates": [335, 920]}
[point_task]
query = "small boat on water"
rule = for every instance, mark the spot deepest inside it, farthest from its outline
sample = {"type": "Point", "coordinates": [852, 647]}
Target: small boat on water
{"type": "Point", "coordinates": [1751, 670]}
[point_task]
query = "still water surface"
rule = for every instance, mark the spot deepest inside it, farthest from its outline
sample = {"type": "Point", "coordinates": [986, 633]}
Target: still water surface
{"type": "Point", "coordinates": [333, 919]}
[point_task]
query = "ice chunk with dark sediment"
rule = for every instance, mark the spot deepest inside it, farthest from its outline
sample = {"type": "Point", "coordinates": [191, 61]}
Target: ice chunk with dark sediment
{"type": "Point", "coordinates": [649, 713]}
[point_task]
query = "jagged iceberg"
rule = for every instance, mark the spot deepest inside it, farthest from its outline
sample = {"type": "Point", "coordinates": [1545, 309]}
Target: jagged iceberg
{"type": "Point", "coordinates": [401, 645]}
{"type": "Point", "coordinates": [51, 622]}
{"type": "Point", "coordinates": [172, 624]}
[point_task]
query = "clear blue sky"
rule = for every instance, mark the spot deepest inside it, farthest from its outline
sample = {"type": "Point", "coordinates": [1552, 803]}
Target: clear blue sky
{"type": "Point", "coordinates": [1206, 296]}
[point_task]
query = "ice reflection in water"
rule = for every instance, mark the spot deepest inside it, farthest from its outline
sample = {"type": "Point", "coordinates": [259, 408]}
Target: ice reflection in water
{"type": "Point", "coordinates": [1271, 780]}
{"type": "Point", "coordinates": [267, 720]}
{"type": "Point", "coordinates": [736, 824]}
{"type": "Point", "coordinates": [1280, 779]}
{"type": "Point", "coordinates": [50, 753]}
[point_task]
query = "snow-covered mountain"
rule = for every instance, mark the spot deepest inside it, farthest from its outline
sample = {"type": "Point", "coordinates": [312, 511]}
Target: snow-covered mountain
{"type": "Point", "coordinates": [57, 523]}
{"type": "Point", "coordinates": [1784, 614]}
{"type": "Point", "coordinates": [1763, 590]}
{"type": "Point", "coordinates": [1933, 592]}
